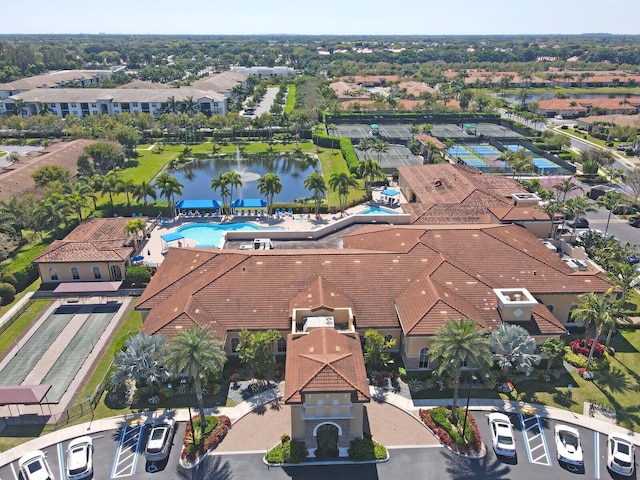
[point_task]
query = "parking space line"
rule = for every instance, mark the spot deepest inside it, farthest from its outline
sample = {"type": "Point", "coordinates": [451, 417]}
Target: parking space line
{"type": "Point", "coordinates": [126, 459]}
{"type": "Point", "coordinates": [534, 439]}
{"type": "Point", "coordinates": [62, 460]}
{"type": "Point", "coordinates": [596, 454]}
{"type": "Point", "coordinates": [13, 470]}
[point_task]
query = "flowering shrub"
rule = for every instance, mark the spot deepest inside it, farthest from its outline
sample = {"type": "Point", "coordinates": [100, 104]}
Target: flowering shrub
{"type": "Point", "coordinates": [215, 431]}
{"type": "Point", "coordinates": [437, 419]}
{"type": "Point", "coordinates": [578, 346]}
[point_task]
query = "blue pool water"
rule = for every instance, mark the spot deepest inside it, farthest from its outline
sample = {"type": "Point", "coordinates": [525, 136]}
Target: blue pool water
{"type": "Point", "coordinates": [374, 210]}
{"type": "Point", "coordinates": [210, 235]}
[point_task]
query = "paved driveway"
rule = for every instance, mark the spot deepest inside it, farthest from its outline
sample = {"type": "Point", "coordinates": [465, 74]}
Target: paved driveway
{"type": "Point", "coordinates": [261, 429]}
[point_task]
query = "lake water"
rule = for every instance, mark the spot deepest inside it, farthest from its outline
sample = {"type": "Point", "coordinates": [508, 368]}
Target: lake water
{"type": "Point", "coordinates": [197, 177]}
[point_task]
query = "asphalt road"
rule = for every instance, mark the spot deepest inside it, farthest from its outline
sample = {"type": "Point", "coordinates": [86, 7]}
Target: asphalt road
{"type": "Point", "coordinates": [119, 454]}
{"type": "Point", "coordinates": [619, 228]}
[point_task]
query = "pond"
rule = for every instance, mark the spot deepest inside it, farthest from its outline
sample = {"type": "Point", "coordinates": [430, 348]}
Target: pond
{"type": "Point", "coordinates": [197, 175]}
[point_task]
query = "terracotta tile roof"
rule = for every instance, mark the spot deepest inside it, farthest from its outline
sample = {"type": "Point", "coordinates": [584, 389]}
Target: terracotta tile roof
{"type": "Point", "coordinates": [320, 295]}
{"type": "Point", "coordinates": [446, 193]}
{"type": "Point", "coordinates": [410, 276]}
{"type": "Point", "coordinates": [425, 139]}
{"type": "Point", "coordinates": [96, 239]}
{"type": "Point", "coordinates": [518, 214]}
{"type": "Point", "coordinates": [325, 360]}
{"type": "Point", "coordinates": [584, 104]}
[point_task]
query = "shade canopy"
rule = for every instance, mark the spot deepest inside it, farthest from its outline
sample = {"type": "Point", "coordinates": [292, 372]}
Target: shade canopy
{"type": "Point", "coordinates": [87, 287]}
{"type": "Point", "coordinates": [172, 237]}
{"type": "Point", "coordinates": [249, 203]}
{"type": "Point", "coordinates": [390, 193]}
{"type": "Point", "coordinates": [23, 394]}
{"type": "Point", "coordinates": [198, 205]}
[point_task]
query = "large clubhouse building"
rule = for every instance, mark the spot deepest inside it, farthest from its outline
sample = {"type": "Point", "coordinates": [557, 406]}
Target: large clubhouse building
{"type": "Point", "coordinates": [403, 281]}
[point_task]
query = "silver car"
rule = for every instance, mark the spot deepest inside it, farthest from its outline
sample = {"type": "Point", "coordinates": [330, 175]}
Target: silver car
{"type": "Point", "coordinates": [160, 440]}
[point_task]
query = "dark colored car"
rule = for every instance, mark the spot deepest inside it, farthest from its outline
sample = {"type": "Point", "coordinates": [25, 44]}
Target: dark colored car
{"type": "Point", "coordinates": [633, 260]}
{"type": "Point", "coordinates": [624, 209]}
{"type": "Point", "coordinates": [579, 222]}
{"type": "Point", "coordinates": [634, 221]}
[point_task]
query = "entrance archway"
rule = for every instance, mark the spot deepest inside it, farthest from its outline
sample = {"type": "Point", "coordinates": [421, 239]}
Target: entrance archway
{"type": "Point", "coordinates": [327, 441]}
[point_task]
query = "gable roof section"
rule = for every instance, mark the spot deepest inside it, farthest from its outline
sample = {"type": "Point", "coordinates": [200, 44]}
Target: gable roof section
{"type": "Point", "coordinates": [325, 360]}
{"type": "Point", "coordinates": [518, 214]}
{"type": "Point", "coordinates": [95, 240]}
{"type": "Point", "coordinates": [320, 294]}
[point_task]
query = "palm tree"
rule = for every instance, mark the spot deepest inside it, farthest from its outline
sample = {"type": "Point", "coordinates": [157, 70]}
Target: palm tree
{"type": "Point", "coordinates": [141, 361]}
{"type": "Point", "coordinates": [77, 196]}
{"type": "Point", "coordinates": [195, 352]}
{"type": "Point", "coordinates": [364, 146]}
{"type": "Point", "coordinates": [514, 347]}
{"type": "Point", "coordinates": [552, 208]}
{"type": "Point", "coordinates": [144, 190]}
{"type": "Point", "coordinates": [172, 105]}
{"type": "Point", "coordinates": [109, 186]}
{"type": "Point", "coordinates": [341, 182]}
{"type": "Point", "coordinates": [599, 311]}
{"type": "Point", "coordinates": [95, 185]}
{"type": "Point", "coordinates": [566, 186]}
{"type": "Point", "coordinates": [132, 228]}
{"type": "Point", "coordinates": [610, 201]}
{"type": "Point", "coordinates": [456, 342]}
{"type": "Point", "coordinates": [8, 223]}
{"type": "Point", "coordinates": [53, 211]}
{"type": "Point", "coordinates": [578, 206]}
{"type": "Point", "coordinates": [234, 180]}
{"type": "Point", "coordinates": [369, 170]}
{"type": "Point", "coordinates": [519, 161]}
{"type": "Point", "coordinates": [127, 187]}
{"type": "Point", "coordinates": [380, 146]}
{"type": "Point", "coordinates": [221, 183]}
{"type": "Point", "coordinates": [315, 182]}
{"type": "Point", "coordinates": [169, 187]}
{"type": "Point", "coordinates": [269, 185]}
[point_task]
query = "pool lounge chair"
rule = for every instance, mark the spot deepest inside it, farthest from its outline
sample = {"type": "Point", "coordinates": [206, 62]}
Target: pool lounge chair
{"type": "Point", "coordinates": [290, 212]}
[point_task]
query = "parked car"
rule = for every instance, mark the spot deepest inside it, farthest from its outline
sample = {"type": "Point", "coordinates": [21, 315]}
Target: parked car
{"type": "Point", "coordinates": [620, 454]}
{"type": "Point", "coordinates": [569, 450]}
{"type": "Point", "coordinates": [624, 209]}
{"type": "Point", "coordinates": [634, 260]}
{"type": "Point", "coordinates": [80, 458]}
{"type": "Point", "coordinates": [502, 438]}
{"type": "Point", "coordinates": [34, 466]}
{"type": "Point", "coordinates": [160, 440]}
{"type": "Point", "coordinates": [579, 222]}
{"type": "Point", "coordinates": [634, 221]}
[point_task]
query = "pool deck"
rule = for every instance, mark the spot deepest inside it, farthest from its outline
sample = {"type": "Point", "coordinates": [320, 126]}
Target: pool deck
{"type": "Point", "coordinates": [154, 250]}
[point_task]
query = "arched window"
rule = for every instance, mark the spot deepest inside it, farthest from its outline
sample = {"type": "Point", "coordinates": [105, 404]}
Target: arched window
{"type": "Point", "coordinates": [282, 345]}
{"type": "Point", "coordinates": [234, 344]}
{"type": "Point", "coordinates": [96, 273]}
{"type": "Point", "coordinates": [53, 273]}
{"type": "Point", "coordinates": [550, 307]}
{"type": "Point", "coordinates": [74, 273]}
{"type": "Point", "coordinates": [424, 358]}
{"type": "Point", "coordinates": [388, 338]}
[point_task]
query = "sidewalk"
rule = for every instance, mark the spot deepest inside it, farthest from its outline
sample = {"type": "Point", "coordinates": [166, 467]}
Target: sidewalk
{"type": "Point", "coordinates": [242, 409]}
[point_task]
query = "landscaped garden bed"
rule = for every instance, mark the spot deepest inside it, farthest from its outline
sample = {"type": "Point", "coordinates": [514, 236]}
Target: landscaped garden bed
{"type": "Point", "coordinates": [195, 444]}
{"type": "Point", "coordinates": [438, 421]}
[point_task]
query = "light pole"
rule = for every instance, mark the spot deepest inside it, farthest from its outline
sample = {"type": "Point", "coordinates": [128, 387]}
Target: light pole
{"type": "Point", "coordinates": [466, 412]}
{"type": "Point", "coordinates": [91, 408]}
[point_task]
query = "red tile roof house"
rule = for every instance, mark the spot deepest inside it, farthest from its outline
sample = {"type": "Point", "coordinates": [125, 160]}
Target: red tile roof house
{"type": "Point", "coordinates": [98, 250]}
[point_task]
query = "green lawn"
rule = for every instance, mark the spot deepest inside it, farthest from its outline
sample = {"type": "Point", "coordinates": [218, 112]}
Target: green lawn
{"type": "Point", "coordinates": [291, 99]}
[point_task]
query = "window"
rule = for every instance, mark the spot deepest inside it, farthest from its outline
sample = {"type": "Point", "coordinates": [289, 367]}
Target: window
{"type": "Point", "coordinates": [424, 358]}
{"type": "Point", "coordinates": [388, 338]}
{"type": "Point", "coordinates": [116, 273]}
{"type": "Point", "coordinates": [320, 402]}
{"type": "Point", "coordinates": [75, 274]}
{"type": "Point", "coordinates": [234, 344]}
{"type": "Point", "coordinates": [550, 307]}
{"type": "Point", "coordinates": [53, 273]}
{"type": "Point", "coordinates": [96, 273]}
{"type": "Point", "coordinates": [282, 345]}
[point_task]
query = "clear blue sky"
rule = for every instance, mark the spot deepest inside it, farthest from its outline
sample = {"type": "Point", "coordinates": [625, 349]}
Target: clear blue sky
{"type": "Point", "coordinates": [341, 17]}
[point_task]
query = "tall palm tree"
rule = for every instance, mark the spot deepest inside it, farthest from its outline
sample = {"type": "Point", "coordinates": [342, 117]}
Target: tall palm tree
{"type": "Point", "coordinates": [132, 228]}
{"type": "Point", "coordinates": [600, 311]}
{"type": "Point", "coordinates": [369, 170]}
{"type": "Point", "coordinates": [221, 183]}
{"type": "Point", "coordinates": [234, 180]}
{"type": "Point", "coordinates": [456, 342]}
{"type": "Point", "coordinates": [53, 211]}
{"type": "Point", "coordinates": [566, 186]}
{"type": "Point", "coordinates": [341, 182]}
{"type": "Point", "coordinates": [141, 361]}
{"type": "Point", "coordinates": [380, 146]}
{"type": "Point", "coordinates": [169, 187]}
{"type": "Point", "coordinates": [195, 352]}
{"type": "Point", "coordinates": [144, 190]}
{"type": "Point", "coordinates": [128, 187]}
{"type": "Point", "coordinates": [77, 196]}
{"type": "Point", "coordinates": [315, 182]}
{"type": "Point", "coordinates": [365, 145]}
{"type": "Point", "coordinates": [552, 208]}
{"type": "Point", "coordinates": [610, 201]}
{"type": "Point", "coordinates": [578, 206]}
{"type": "Point", "coordinates": [269, 185]}
{"type": "Point", "coordinates": [553, 348]}
{"type": "Point", "coordinates": [109, 186]}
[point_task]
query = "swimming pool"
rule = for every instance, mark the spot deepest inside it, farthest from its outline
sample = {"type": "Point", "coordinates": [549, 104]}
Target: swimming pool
{"type": "Point", "coordinates": [375, 210]}
{"type": "Point", "coordinates": [210, 235]}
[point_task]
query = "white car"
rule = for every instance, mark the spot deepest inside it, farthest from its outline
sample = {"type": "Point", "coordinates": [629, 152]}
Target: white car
{"type": "Point", "coordinates": [620, 454]}
{"type": "Point", "coordinates": [568, 445]}
{"type": "Point", "coordinates": [502, 438]}
{"type": "Point", "coordinates": [34, 466]}
{"type": "Point", "coordinates": [80, 458]}
{"type": "Point", "coordinates": [160, 440]}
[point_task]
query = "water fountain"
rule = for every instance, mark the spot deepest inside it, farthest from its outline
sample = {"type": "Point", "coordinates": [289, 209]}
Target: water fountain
{"type": "Point", "coordinates": [245, 175]}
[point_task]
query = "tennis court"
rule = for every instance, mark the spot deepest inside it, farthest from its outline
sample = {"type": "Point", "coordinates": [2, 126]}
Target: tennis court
{"type": "Point", "coordinates": [396, 156]}
{"type": "Point", "coordinates": [546, 167]}
{"type": "Point", "coordinates": [474, 130]}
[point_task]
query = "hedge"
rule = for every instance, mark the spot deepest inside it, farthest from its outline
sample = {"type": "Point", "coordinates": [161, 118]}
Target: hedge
{"type": "Point", "coordinates": [287, 452]}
